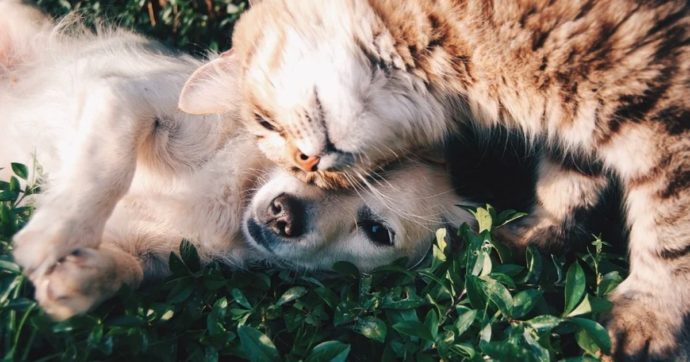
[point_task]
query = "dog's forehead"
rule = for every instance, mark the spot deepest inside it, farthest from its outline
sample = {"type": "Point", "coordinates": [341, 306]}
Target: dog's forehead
{"type": "Point", "coordinates": [412, 189]}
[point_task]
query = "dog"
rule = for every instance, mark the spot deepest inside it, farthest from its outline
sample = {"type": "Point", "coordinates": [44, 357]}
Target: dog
{"type": "Point", "coordinates": [125, 175]}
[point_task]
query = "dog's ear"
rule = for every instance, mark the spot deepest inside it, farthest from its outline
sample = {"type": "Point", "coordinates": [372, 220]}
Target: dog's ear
{"type": "Point", "coordinates": [213, 88]}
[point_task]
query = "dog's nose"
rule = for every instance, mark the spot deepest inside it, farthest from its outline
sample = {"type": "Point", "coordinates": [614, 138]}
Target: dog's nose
{"type": "Point", "coordinates": [285, 216]}
{"type": "Point", "coordinates": [305, 162]}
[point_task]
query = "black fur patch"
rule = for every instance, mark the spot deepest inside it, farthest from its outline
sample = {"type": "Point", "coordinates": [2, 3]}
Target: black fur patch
{"type": "Point", "coordinates": [675, 119]}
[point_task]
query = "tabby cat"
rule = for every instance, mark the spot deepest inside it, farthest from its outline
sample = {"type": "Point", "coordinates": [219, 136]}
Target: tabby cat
{"type": "Point", "coordinates": [335, 89]}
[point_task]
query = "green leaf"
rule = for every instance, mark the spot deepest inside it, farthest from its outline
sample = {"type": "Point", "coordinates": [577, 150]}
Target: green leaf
{"type": "Point", "coordinates": [346, 268]}
{"type": "Point", "coordinates": [486, 332]}
{"type": "Point", "coordinates": [372, 328]}
{"type": "Point", "coordinates": [475, 292]}
{"type": "Point", "coordinates": [291, 294]}
{"type": "Point", "coordinates": [599, 305]}
{"type": "Point", "coordinates": [508, 216]}
{"type": "Point", "coordinates": [414, 329]}
{"type": "Point", "coordinates": [499, 295]}
{"type": "Point", "coordinates": [524, 301]}
{"type": "Point", "coordinates": [598, 333]}
{"type": "Point", "coordinates": [214, 321]}
{"type": "Point", "coordinates": [176, 265]}
{"type": "Point", "coordinates": [8, 195]}
{"type": "Point", "coordinates": [464, 320]}
{"type": "Point", "coordinates": [14, 185]}
{"type": "Point", "coordinates": [9, 266]}
{"type": "Point", "coordinates": [343, 313]}
{"type": "Point", "coordinates": [574, 287]}
{"type": "Point", "coordinates": [439, 247]}
{"type": "Point", "coordinates": [537, 351]}
{"type": "Point", "coordinates": [586, 342]}
{"type": "Point", "coordinates": [182, 290]}
{"type": "Point", "coordinates": [431, 323]}
{"type": "Point", "coordinates": [583, 308]}
{"type": "Point", "coordinates": [256, 345]}
{"type": "Point", "coordinates": [484, 219]}
{"type": "Point", "coordinates": [239, 298]}
{"type": "Point", "coordinates": [508, 269]}
{"type": "Point", "coordinates": [20, 170]}
{"type": "Point", "coordinates": [464, 349]}
{"type": "Point", "coordinates": [189, 255]}
{"type": "Point", "coordinates": [332, 351]}
{"type": "Point", "coordinates": [609, 282]}
{"type": "Point", "coordinates": [126, 321]}
{"type": "Point", "coordinates": [534, 265]}
{"type": "Point", "coordinates": [544, 323]}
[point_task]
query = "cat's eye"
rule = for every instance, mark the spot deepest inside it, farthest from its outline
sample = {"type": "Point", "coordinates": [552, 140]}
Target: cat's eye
{"type": "Point", "coordinates": [264, 123]}
{"type": "Point", "coordinates": [377, 232]}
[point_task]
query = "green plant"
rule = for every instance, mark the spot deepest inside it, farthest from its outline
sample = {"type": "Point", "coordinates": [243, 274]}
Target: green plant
{"type": "Point", "coordinates": [193, 25]}
{"type": "Point", "coordinates": [471, 299]}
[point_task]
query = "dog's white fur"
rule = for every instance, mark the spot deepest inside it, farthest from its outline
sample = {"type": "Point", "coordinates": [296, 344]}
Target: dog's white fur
{"type": "Point", "coordinates": [126, 175]}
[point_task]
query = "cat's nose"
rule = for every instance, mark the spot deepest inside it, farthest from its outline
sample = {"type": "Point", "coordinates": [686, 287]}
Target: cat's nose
{"type": "Point", "coordinates": [285, 216]}
{"type": "Point", "coordinates": [306, 162]}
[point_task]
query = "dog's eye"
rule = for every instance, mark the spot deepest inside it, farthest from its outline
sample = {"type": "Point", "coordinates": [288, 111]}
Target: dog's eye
{"type": "Point", "coordinates": [377, 232]}
{"type": "Point", "coordinates": [264, 123]}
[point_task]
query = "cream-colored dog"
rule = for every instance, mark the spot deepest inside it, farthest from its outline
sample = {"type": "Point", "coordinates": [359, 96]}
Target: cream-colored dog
{"type": "Point", "coordinates": [126, 175]}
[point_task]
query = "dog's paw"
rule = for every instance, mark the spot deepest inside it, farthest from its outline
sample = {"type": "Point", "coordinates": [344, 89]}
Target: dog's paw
{"type": "Point", "coordinates": [47, 239]}
{"type": "Point", "coordinates": [641, 330]}
{"type": "Point", "coordinates": [77, 282]}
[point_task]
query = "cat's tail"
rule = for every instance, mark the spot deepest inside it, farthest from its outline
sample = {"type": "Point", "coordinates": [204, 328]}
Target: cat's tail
{"type": "Point", "coordinates": [21, 24]}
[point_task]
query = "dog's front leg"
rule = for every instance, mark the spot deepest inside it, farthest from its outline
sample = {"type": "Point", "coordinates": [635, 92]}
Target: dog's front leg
{"type": "Point", "coordinates": [112, 119]}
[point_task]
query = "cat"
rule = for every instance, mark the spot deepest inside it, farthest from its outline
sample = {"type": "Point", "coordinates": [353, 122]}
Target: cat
{"type": "Point", "coordinates": [125, 175]}
{"type": "Point", "coordinates": [335, 89]}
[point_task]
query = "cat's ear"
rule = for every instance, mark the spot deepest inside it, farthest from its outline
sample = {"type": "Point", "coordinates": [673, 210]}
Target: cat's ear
{"type": "Point", "coordinates": [213, 88]}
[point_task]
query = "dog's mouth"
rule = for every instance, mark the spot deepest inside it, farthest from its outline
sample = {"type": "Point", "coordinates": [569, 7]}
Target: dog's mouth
{"type": "Point", "coordinates": [260, 236]}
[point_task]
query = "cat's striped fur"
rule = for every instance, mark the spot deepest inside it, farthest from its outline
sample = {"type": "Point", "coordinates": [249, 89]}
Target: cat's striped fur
{"type": "Point", "coordinates": [356, 83]}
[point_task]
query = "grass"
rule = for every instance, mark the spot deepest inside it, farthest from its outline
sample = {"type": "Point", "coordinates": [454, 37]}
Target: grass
{"type": "Point", "coordinates": [470, 300]}
{"type": "Point", "coordinates": [194, 26]}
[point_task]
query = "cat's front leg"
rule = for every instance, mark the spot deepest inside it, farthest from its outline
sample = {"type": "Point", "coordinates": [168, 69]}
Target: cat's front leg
{"type": "Point", "coordinates": [562, 212]}
{"type": "Point", "coordinates": [650, 319]}
{"type": "Point", "coordinates": [97, 170]}
{"type": "Point", "coordinates": [85, 278]}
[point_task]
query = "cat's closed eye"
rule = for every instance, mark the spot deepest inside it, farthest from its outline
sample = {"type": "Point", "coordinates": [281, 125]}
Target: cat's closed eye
{"type": "Point", "coordinates": [263, 122]}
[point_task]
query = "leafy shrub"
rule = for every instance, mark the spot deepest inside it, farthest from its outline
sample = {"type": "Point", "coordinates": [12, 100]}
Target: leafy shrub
{"type": "Point", "coordinates": [192, 25]}
{"type": "Point", "coordinates": [471, 299]}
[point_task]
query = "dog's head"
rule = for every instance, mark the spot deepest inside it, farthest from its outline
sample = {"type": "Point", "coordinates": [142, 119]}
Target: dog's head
{"type": "Point", "coordinates": [381, 220]}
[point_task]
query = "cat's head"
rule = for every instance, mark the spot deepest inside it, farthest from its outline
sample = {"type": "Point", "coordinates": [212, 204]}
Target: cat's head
{"type": "Point", "coordinates": [305, 227]}
{"type": "Point", "coordinates": [322, 89]}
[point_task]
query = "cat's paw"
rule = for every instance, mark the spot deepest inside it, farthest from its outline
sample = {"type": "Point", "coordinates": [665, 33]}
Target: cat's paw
{"type": "Point", "coordinates": [77, 282]}
{"type": "Point", "coordinates": [544, 235]}
{"type": "Point", "coordinates": [641, 330]}
{"type": "Point", "coordinates": [547, 234]}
